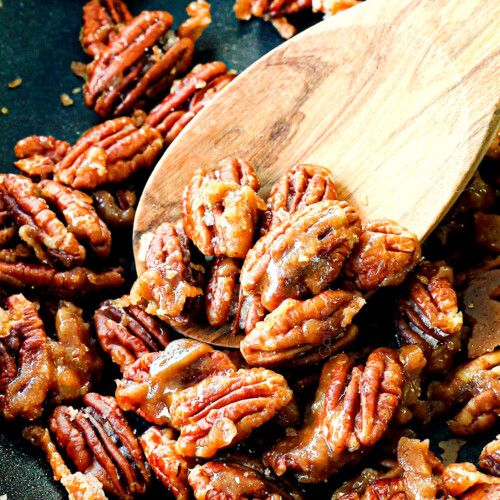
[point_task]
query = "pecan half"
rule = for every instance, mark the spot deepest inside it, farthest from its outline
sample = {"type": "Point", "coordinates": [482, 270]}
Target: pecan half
{"type": "Point", "coordinates": [116, 209]}
{"type": "Point", "coordinates": [302, 255]}
{"type": "Point", "coordinates": [465, 478]}
{"type": "Point", "coordinates": [151, 383]}
{"type": "Point", "coordinates": [225, 408]}
{"type": "Point", "coordinates": [303, 331]}
{"type": "Point", "coordinates": [109, 153]}
{"type": "Point", "coordinates": [429, 317]}
{"type": "Point", "coordinates": [126, 332]}
{"type": "Point", "coordinates": [101, 21]}
{"type": "Point", "coordinates": [352, 410]}
{"type": "Point", "coordinates": [220, 209]}
{"type": "Point", "coordinates": [26, 368]}
{"type": "Point", "coordinates": [99, 441]}
{"type": "Point", "coordinates": [139, 64]}
{"type": "Point", "coordinates": [489, 460]}
{"type": "Point", "coordinates": [384, 256]}
{"type": "Point", "coordinates": [301, 186]}
{"type": "Point", "coordinates": [170, 286]}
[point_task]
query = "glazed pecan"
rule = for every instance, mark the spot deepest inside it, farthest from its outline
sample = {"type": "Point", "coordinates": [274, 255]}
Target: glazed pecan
{"type": "Point", "coordinates": [220, 209]}
{"type": "Point", "coordinates": [26, 368]}
{"type": "Point", "coordinates": [225, 408]}
{"type": "Point", "coordinates": [116, 209]}
{"type": "Point", "coordinates": [303, 255]}
{"type": "Point", "coordinates": [301, 186]}
{"type": "Point", "coordinates": [170, 287]}
{"type": "Point", "coordinates": [429, 317]}
{"type": "Point", "coordinates": [171, 468]}
{"type": "Point", "coordinates": [7, 227]}
{"type": "Point", "coordinates": [149, 385]}
{"type": "Point", "coordinates": [198, 21]}
{"type": "Point", "coordinates": [352, 410]}
{"type": "Point", "coordinates": [15, 254]}
{"type": "Point", "coordinates": [463, 478]}
{"type": "Point", "coordinates": [331, 7]}
{"type": "Point", "coordinates": [109, 153]}
{"type": "Point", "coordinates": [477, 384]}
{"type": "Point", "coordinates": [303, 331]}
{"type": "Point", "coordinates": [101, 21]}
{"type": "Point", "coordinates": [384, 256]}
{"type": "Point", "coordinates": [187, 97]}
{"type": "Point", "coordinates": [489, 460]}
{"type": "Point", "coordinates": [126, 332]}
{"type": "Point", "coordinates": [99, 441]}
{"type": "Point", "coordinates": [138, 65]}
{"type": "Point", "coordinates": [248, 313]}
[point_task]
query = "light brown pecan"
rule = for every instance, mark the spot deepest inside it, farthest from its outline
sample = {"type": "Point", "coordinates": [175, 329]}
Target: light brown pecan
{"type": "Point", "coordinates": [99, 441]}
{"type": "Point", "coordinates": [301, 186]}
{"type": "Point", "coordinates": [138, 65]}
{"type": "Point", "coordinates": [171, 286]}
{"type": "Point", "coordinates": [225, 408]}
{"type": "Point", "coordinates": [109, 153]}
{"type": "Point", "coordinates": [171, 468]}
{"type": "Point", "coordinates": [198, 21]}
{"type": "Point", "coordinates": [477, 384]}
{"type": "Point", "coordinates": [26, 368]}
{"type": "Point", "coordinates": [151, 383]}
{"type": "Point", "coordinates": [220, 209]}
{"type": "Point", "coordinates": [489, 460]}
{"type": "Point", "coordinates": [301, 256]}
{"type": "Point", "coordinates": [303, 332]}
{"type": "Point", "coordinates": [465, 478]}
{"type": "Point", "coordinates": [116, 209]}
{"type": "Point", "coordinates": [101, 21]}
{"type": "Point", "coordinates": [352, 410]}
{"type": "Point", "coordinates": [384, 256]}
{"type": "Point", "coordinates": [126, 332]}
{"type": "Point", "coordinates": [429, 317]}
{"type": "Point", "coordinates": [187, 97]}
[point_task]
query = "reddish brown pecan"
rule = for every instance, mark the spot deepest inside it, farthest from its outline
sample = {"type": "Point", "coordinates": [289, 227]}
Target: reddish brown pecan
{"type": "Point", "coordinates": [171, 285]}
{"type": "Point", "coordinates": [220, 209]}
{"type": "Point", "coordinates": [109, 153]}
{"type": "Point", "coordinates": [248, 313]}
{"type": "Point", "coordinates": [303, 255]}
{"type": "Point", "coordinates": [384, 256]}
{"type": "Point", "coordinates": [489, 459]}
{"type": "Point", "coordinates": [302, 332]}
{"type": "Point", "coordinates": [352, 410]}
{"type": "Point", "coordinates": [463, 478]}
{"type": "Point", "coordinates": [116, 209]}
{"type": "Point", "coordinates": [126, 332]}
{"type": "Point", "coordinates": [198, 21]}
{"type": "Point", "coordinates": [225, 408]}
{"type": "Point", "coordinates": [99, 441]}
{"type": "Point", "coordinates": [187, 97]}
{"type": "Point", "coordinates": [26, 369]}
{"type": "Point", "coordinates": [7, 227]}
{"type": "Point", "coordinates": [138, 65]}
{"type": "Point", "coordinates": [151, 383]}
{"type": "Point", "coordinates": [171, 468]}
{"type": "Point", "coordinates": [301, 186]}
{"type": "Point", "coordinates": [15, 254]}
{"type": "Point", "coordinates": [101, 21]}
{"type": "Point", "coordinates": [429, 317]}
{"type": "Point", "coordinates": [477, 384]}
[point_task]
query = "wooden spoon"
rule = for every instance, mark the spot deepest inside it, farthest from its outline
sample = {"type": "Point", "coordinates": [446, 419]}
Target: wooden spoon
{"type": "Point", "coordinates": [399, 99]}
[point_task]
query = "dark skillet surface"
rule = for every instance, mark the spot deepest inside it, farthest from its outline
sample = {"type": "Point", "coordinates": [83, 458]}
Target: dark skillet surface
{"type": "Point", "coordinates": [38, 41]}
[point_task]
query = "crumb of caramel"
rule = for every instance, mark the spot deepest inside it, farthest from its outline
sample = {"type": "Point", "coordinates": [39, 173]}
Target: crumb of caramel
{"type": "Point", "coordinates": [66, 100]}
{"type": "Point", "coordinates": [76, 90]}
{"type": "Point", "coordinates": [15, 83]}
{"type": "Point", "coordinates": [4, 111]}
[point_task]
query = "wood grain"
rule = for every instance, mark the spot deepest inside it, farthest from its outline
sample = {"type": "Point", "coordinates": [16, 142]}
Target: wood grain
{"type": "Point", "coordinates": [398, 99]}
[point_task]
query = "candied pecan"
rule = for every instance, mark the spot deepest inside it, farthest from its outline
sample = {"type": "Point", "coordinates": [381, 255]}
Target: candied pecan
{"type": "Point", "coordinates": [302, 255]}
{"type": "Point", "coordinates": [384, 256]}
{"type": "Point", "coordinates": [99, 441]}
{"type": "Point", "coordinates": [38, 154]}
{"type": "Point", "coordinates": [171, 284]}
{"type": "Point", "coordinates": [352, 410]}
{"type": "Point", "coordinates": [26, 368]}
{"type": "Point", "coordinates": [220, 209]}
{"type": "Point", "coordinates": [477, 384]}
{"type": "Point", "coordinates": [199, 20]}
{"type": "Point", "coordinates": [171, 468]}
{"type": "Point", "coordinates": [248, 313]}
{"type": "Point", "coordinates": [109, 153]}
{"type": "Point", "coordinates": [15, 254]}
{"type": "Point", "coordinates": [116, 209]}
{"type": "Point", "coordinates": [225, 408]}
{"type": "Point", "coordinates": [138, 65]}
{"type": "Point", "coordinates": [7, 227]}
{"type": "Point", "coordinates": [331, 7]}
{"type": "Point", "coordinates": [101, 21]}
{"type": "Point", "coordinates": [489, 459]}
{"type": "Point", "coordinates": [149, 384]}
{"type": "Point", "coordinates": [429, 317]}
{"type": "Point", "coordinates": [126, 332]}
{"type": "Point", "coordinates": [221, 292]}
{"type": "Point", "coordinates": [460, 478]}
{"type": "Point", "coordinates": [73, 282]}
{"type": "Point", "coordinates": [303, 331]}
{"type": "Point", "coordinates": [487, 228]}
{"type": "Point", "coordinates": [301, 186]}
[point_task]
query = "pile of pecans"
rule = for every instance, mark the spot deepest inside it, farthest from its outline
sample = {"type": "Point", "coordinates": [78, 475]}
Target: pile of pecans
{"type": "Point", "coordinates": [352, 343]}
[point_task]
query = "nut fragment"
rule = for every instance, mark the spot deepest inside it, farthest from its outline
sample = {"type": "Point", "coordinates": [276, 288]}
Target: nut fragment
{"type": "Point", "coordinates": [465, 478]}
{"type": "Point", "coordinates": [116, 209]}
{"type": "Point", "coordinates": [489, 459]}
{"type": "Point", "coordinates": [199, 20]}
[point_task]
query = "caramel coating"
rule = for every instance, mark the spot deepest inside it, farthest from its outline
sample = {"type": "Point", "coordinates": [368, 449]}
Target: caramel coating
{"type": "Point", "coordinates": [116, 209]}
{"type": "Point", "coordinates": [461, 478]}
{"type": "Point", "coordinates": [198, 21]}
{"type": "Point", "coordinates": [489, 460]}
{"type": "Point", "coordinates": [303, 255]}
{"type": "Point", "coordinates": [248, 313]}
